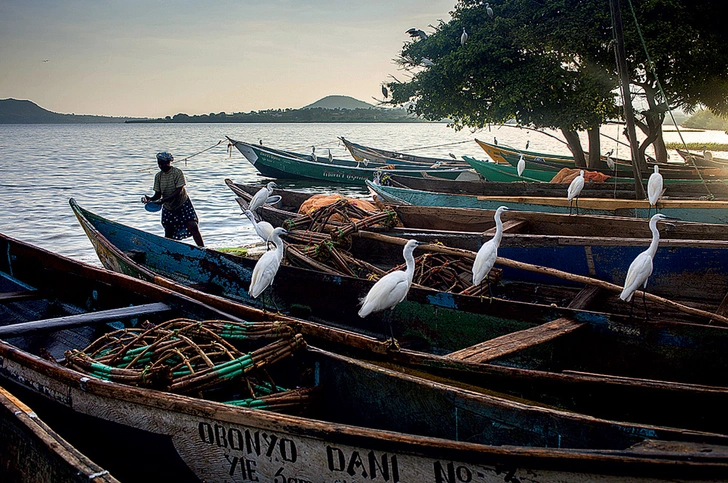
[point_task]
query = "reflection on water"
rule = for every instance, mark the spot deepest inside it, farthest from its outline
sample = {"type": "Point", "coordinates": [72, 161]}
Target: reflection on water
{"type": "Point", "coordinates": [108, 167]}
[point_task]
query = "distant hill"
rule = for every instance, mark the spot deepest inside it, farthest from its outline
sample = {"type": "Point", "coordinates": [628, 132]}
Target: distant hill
{"type": "Point", "coordinates": [14, 111]}
{"type": "Point", "coordinates": [338, 102]}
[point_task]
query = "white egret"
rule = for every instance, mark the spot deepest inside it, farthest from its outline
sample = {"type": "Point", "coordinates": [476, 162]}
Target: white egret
{"type": "Point", "coordinates": [641, 267]}
{"type": "Point", "coordinates": [427, 62]}
{"type": "Point", "coordinates": [414, 33]}
{"type": "Point", "coordinates": [261, 196]}
{"type": "Point", "coordinates": [521, 165]}
{"type": "Point", "coordinates": [610, 161]}
{"type": "Point", "coordinates": [654, 188]}
{"type": "Point", "coordinates": [577, 184]}
{"type": "Point", "coordinates": [331, 157]}
{"type": "Point", "coordinates": [267, 267]}
{"type": "Point", "coordinates": [262, 228]}
{"type": "Point", "coordinates": [485, 259]}
{"type": "Point", "coordinates": [392, 288]}
{"type": "Point", "coordinates": [489, 10]}
{"type": "Point", "coordinates": [463, 37]}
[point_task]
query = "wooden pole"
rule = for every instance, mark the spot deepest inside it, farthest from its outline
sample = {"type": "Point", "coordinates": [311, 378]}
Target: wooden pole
{"type": "Point", "coordinates": [638, 163]}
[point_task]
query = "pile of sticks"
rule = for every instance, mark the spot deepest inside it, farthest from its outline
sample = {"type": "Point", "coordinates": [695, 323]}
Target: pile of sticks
{"type": "Point", "coordinates": [186, 356]}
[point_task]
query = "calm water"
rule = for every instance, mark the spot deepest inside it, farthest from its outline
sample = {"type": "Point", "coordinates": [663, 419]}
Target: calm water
{"type": "Point", "coordinates": [107, 168]}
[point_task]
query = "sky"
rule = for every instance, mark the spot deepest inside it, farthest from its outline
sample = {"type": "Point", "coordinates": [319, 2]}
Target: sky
{"type": "Point", "coordinates": [147, 58]}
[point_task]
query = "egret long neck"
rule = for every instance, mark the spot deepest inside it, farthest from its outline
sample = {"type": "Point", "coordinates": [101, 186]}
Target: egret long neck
{"type": "Point", "coordinates": [655, 238]}
{"type": "Point", "coordinates": [498, 229]}
{"type": "Point", "coordinates": [409, 260]}
{"type": "Point", "coordinates": [276, 238]}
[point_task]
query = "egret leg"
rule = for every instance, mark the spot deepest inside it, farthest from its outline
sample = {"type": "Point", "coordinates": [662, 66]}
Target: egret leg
{"type": "Point", "coordinates": [644, 303]}
{"type": "Point", "coordinates": [631, 308]}
{"type": "Point", "coordinates": [571, 204]}
{"type": "Point", "coordinates": [577, 204]}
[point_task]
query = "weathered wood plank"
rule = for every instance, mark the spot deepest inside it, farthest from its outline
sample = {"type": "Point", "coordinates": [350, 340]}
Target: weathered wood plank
{"type": "Point", "coordinates": [8, 297]}
{"type": "Point", "coordinates": [68, 321]}
{"type": "Point", "coordinates": [508, 227]}
{"type": "Point", "coordinates": [516, 341]}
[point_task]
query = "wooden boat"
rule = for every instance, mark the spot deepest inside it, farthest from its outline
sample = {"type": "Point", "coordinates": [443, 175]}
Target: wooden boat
{"type": "Point", "coordinates": [701, 211]}
{"type": "Point", "coordinates": [587, 245]}
{"type": "Point", "coordinates": [31, 452]}
{"type": "Point", "coordinates": [704, 159]}
{"type": "Point", "coordinates": [360, 153]}
{"type": "Point", "coordinates": [679, 173]}
{"type": "Point", "coordinates": [279, 164]}
{"type": "Point", "coordinates": [360, 422]}
{"type": "Point", "coordinates": [652, 364]}
{"type": "Point", "coordinates": [507, 173]}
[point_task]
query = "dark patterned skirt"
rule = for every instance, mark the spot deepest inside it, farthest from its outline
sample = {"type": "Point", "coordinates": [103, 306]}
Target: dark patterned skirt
{"type": "Point", "coordinates": [176, 220]}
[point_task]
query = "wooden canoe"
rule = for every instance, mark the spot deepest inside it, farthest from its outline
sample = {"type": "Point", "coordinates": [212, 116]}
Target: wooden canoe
{"type": "Point", "coordinates": [701, 211]}
{"type": "Point", "coordinates": [608, 189]}
{"type": "Point", "coordinates": [367, 423]}
{"type": "Point", "coordinates": [31, 452]}
{"type": "Point", "coordinates": [589, 245]}
{"type": "Point", "coordinates": [280, 164]}
{"type": "Point", "coordinates": [360, 153]}
{"type": "Point", "coordinates": [554, 163]}
{"type": "Point", "coordinates": [660, 361]}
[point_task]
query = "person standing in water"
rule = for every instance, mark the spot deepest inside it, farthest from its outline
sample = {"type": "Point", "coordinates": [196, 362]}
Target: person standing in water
{"type": "Point", "coordinates": [179, 218]}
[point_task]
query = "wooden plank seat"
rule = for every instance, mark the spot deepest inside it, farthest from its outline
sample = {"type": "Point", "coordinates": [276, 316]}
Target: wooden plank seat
{"type": "Point", "coordinates": [510, 226]}
{"type": "Point", "coordinates": [516, 341]}
{"type": "Point", "coordinates": [98, 317]}
{"type": "Point", "coordinates": [8, 297]}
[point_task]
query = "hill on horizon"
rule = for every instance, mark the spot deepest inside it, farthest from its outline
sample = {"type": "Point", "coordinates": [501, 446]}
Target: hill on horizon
{"type": "Point", "coordinates": [16, 111]}
{"type": "Point", "coordinates": [339, 102]}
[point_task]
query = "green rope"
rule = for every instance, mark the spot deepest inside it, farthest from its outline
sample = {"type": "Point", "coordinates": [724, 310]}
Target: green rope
{"type": "Point", "coordinates": [651, 66]}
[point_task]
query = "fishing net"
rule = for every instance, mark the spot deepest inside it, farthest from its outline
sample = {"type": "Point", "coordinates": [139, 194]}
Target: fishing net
{"type": "Point", "coordinates": [212, 359]}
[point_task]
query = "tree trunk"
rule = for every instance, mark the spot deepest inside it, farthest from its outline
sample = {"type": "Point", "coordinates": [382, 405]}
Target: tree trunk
{"type": "Point", "coordinates": [595, 150]}
{"type": "Point", "coordinates": [572, 139]}
{"type": "Point", "coordinates": [652, 125]}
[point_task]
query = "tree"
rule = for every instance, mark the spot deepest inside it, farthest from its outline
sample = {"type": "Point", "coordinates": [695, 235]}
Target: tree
{"type": "Point", "coordinates": [550, 63]}
{"type": "Point", "coordinates": [503, 72]}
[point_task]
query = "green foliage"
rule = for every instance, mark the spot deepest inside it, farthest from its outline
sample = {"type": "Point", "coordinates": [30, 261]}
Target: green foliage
{"type": "Point", "coordinates": [706, 120]}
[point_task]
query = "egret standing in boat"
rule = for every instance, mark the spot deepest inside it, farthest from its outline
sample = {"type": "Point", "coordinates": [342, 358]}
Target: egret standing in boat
{"type": "Point", "coordinates": [577, 184]}
{"type": "Point", "coordinates": [654, 188]}
{"type": "Point", "coordinates": [261, 196]}
{"type": "Point", "coordinates": [485, 259]}
{"type": "Point", "coordinates": [267, 267]}
{"type": "Point", "coordinates": [262, 228]}
{"type": "Point", "coordinates": [392, 288]}
{"type": "Point", "coordinates": [641, 267]}
{"type": "Point", "coordinates": [521, 165]}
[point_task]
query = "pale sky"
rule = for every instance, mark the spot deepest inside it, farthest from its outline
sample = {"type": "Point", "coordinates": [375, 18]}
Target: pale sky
{"type": "Point", "coordinates": [156, 58]}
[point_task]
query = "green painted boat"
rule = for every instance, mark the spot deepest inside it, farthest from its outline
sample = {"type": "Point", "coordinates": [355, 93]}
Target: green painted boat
{"type": "Point", "coordinates": [701, 211]}
{"type": "Point", "coordinates": [285, 165]}
{"type": "Point", "coordinates": [505, 173]}
{"type": "Point", "coordinates": [671, 173]}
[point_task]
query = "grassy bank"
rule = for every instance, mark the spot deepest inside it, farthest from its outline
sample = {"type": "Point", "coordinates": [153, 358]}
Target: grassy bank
{"type": "Point", "coordinates": [699, 146]}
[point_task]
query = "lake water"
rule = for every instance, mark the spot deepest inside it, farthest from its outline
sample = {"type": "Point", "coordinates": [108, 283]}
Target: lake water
{"type": "Point", "coordinates": [108, 167]}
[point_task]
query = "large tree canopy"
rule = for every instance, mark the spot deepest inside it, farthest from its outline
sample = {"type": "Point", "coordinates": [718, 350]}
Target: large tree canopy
{"type": "Point", "coordinates": [550, 64]}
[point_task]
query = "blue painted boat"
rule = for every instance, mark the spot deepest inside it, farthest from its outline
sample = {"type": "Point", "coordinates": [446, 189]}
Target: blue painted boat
{"type": "Point", "coordinates": [701, 211]}
{"type": "Point", "coordinates": [672, 354]}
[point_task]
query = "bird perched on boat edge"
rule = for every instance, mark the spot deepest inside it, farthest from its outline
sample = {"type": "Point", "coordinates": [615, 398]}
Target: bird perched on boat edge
{"type": "Point", "coordinates": [392, 288]}
{"type": "Point", "coordinates": [262, 228]}
{"type": "Point", "coordinates": [640, 269]}
{"type": "Point", "coordinates": [521, 165]}
{"type": "Point", "coordinates": [486, 256]}
{"type": "Point", "coordinates": [267, 266]}
{"type": "Point", "coordinates": [261, 196]}
{"type": "Point", "coordinates": [654, 188]}
{"type": "Point", "coordinates": [577, 184]}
